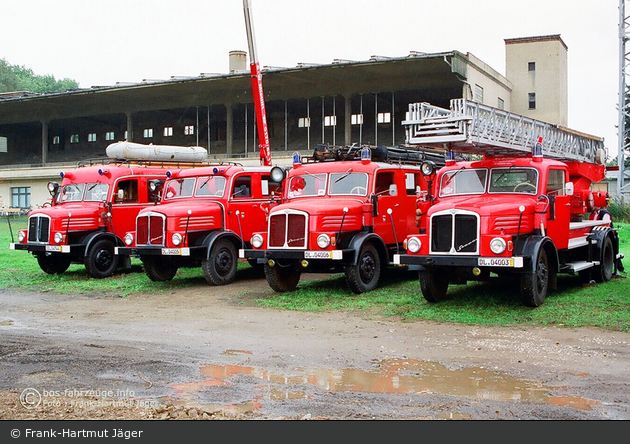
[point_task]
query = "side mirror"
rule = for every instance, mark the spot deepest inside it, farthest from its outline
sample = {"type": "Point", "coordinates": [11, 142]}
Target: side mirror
{"type": "Point", "coordinates": [569, 189]}
{"type": "Point", "coordinates": [393, 190]}
{"type": "Point", "coordinates": [121, 194]}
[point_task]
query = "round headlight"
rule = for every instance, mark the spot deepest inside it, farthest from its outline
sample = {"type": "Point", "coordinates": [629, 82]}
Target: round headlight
{"type": "Point", "coordinates": [257, 241]}
{"type": "Point", "coordinates": [58, 238]}
{"type": "Point", "coordinates": [176, 239]}
{"type": "Point", "coordinates": [413, 245]}
{"type": "Point", "coordinates": [21, 236]}
{"type": "Point", "coordinates": [323, 241]}
{"type": "Point", "coordinates": [277, 174]}
{"type": "Point", "coordinates": [497, 245]}
{"type": "Point", "coordinates": [427, 168]}
{"type": "Point", "coordinates": [128, 239]}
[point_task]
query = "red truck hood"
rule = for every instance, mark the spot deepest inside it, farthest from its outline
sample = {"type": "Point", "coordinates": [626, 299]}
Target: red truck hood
{"type": "Point", "coordinates": [322, 206]}
{"type": "Point", "coordinates": [77, 209]}
{"type": "Point", "coordinates": [198, 207]}
{"type": "Point", "coordinates": [486, 205]}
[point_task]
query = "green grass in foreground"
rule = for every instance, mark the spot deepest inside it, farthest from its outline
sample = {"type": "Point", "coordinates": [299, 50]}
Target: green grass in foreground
{"type": "Point", "coordinates": [605, 306]}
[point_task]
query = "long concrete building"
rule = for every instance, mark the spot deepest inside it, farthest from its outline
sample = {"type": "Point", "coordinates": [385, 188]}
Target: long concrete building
{"type": "Point", "coordinates": [340, 103]}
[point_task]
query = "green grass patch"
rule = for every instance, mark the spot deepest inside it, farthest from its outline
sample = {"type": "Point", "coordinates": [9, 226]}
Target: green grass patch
{"type": "Point", "coordinates": [496, 302]}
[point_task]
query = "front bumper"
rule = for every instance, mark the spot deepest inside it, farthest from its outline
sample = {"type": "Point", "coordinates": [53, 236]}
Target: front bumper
{"type": "Point", "coordinates": [334, 255]}
{"type": "Point", "coordinates": [158, 251]}
{"type": "Point", "coordinates": [42, 248]}
{"type": "Point", "coordinates": [459, 261]}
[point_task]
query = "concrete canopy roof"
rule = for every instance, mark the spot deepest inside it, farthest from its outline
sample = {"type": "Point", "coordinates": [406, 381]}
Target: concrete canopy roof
{"type": "Point", "coordinates": [437, 71]}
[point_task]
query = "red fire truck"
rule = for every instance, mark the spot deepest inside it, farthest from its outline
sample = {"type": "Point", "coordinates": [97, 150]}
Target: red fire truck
{"type": "Point", "coordinates": [91, 210]}
{"type": "Point", "coordinates": [343, 209]}
{"type": "Point", "coordinates": [205, 215]}
{"type": "Point", "coordinates": [516, 208]}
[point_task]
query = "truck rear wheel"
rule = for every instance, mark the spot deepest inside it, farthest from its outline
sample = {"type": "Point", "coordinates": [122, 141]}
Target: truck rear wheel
{"type": "Point", "coordinates": [220, 268]}
{"type": "Point", "coordinates": [100, 261]}
{"type": "Point", "coordinates": [158, 270]}
{"type": "Point", "coordinates": [365, 274]}
{"type": "Point", "coordinates": [534, 286]}
{"type": "Point", "coordinates": [433, 284]}
{"type": "Point", "coordinates": [604, 271]}
{"type": "Point", "coordinates": [53, 264]}
{"type": "Point", "coordinates": [283, 278]}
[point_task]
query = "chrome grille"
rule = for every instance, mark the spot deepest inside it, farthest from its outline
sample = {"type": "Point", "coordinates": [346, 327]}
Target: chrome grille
{"type": "Point", "coordinates": [39, 229]}
{"type": "Point", "coordinates": [287, 230]}
{"type": "Point", "coordinates": [455, 233]}
{"type": "Point", "coordinates": [150, 229]}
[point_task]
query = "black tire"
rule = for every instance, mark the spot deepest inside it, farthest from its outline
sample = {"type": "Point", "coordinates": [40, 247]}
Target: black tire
{"type": "Point", "coordinates": [282, 278]}
{"type": "Point", "coordinates": [433, 284]}
{"type": "Point", "coordinates": [365, 274]}
{"type": "Point", "coordinates": [158, 270]}
{"type": "Point", "coordinates": [604, 271]}
{"type": "Point", "coordinates": [53, 263]}
{"type": "Point", "coordinates": [220, 268]}
{"type": "Point", "coordinates": [535, 285]}
{"type": "Point", "coordinates": [100, 261]}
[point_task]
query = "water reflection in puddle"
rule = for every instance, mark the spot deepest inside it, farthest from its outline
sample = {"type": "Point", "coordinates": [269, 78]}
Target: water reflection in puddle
{"type": "Point", "coordinates": [396, 376]}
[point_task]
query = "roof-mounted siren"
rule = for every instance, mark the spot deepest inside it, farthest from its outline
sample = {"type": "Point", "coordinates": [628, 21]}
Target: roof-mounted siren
{"type": "Point", "coordinates": [449, 157]}
{"type": "Point", "coordinates": [297, 159]}
{"type": "Point", "coordinates": [537, 151]}
{"type": "Point", "coordinates": [366, 154]}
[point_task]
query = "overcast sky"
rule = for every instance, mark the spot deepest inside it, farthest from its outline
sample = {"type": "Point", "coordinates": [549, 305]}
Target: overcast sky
{"type": "Point", "coordinates": [102, 42]}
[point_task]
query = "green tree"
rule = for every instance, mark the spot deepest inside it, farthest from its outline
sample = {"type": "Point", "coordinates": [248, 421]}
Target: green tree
{"type": "Point", "coordinates": [20, 78]}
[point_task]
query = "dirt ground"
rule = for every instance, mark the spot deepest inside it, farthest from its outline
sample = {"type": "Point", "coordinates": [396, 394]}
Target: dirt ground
{"type": "Point", "coordinates": [210, 353]}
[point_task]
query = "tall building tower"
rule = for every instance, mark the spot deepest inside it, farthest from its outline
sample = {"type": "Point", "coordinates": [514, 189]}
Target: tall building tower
{"type": "Point", "coordinates": [537, 68]}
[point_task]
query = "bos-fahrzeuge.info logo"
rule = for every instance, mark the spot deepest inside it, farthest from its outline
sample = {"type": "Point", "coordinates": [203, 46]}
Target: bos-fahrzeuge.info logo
{"type": "Point", "coordinates": [31, 398]}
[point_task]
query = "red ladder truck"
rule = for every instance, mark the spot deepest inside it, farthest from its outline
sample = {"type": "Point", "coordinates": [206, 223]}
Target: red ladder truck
{"type": "Point", "coordinates": [516, 209]}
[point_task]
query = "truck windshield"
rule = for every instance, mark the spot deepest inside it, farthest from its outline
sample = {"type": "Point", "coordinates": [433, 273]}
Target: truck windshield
{"type": "Point", "coordinates": [213, 186]}
{"type": "Point", "coordinates": [513, 180]}
{"type": "Point", "coordinates": [96, 192]}
{"type": "Point", "coordinates": [72, 193]}
{"type": "Point", "coordinates": [463, 181]}
{"type": "Point", "coordinates": [180, 188]}
{"type": "Point", "coordinates": [348, 183]}
{"type": "Point", "coordinates": [307, 185]}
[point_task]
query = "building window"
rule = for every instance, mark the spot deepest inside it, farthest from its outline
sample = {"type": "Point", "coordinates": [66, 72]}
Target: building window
{"type": "Point", "coordinates": [74, 138]}
{"type": "Point", "coordinates": [500, 103]}
{"type": "Point", "coordinates": [21, 197]}
{"type": "Point", "coordinates": [189, 130]}
{"type": "Point", "coordinates": [330, 121]}
{"type": "Point", "coordinates": [356, 119]}
{"type": "Point", "coordinates": [109, 135]}
{"type": "Point", "coordinates": [92, 137]}
{"type": "Point", "coordinates": [3, 145]}
{"type": "Point", "coordinates": [531, 66]}
{"type": "Point", "coordinates": [384, 118]}
{"type": "Point", "coordinates": [168, 131]}
{"type": "Point", "coordinates": [304, 122]}
{"type": "Point", "coordinates": [532, 100]}
{"type": "Point", "coordinates": [148, 133]}
{"type": "Point", "coordinates": [478, 94]}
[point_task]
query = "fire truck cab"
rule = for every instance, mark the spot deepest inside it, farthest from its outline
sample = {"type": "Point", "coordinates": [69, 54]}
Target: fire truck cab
{"type": "Point", "coordinates": [205, 215]}
{"type": "Point", "coordinates": [341, 210]}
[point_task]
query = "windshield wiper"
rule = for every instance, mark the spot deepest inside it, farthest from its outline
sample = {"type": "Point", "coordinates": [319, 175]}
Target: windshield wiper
{"type": "Point", "coordinates": [346, 174]}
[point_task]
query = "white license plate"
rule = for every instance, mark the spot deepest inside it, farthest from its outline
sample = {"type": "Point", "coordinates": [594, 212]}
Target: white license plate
{"type": "Point", "coordinates": [318, 255]}
{"type": "Point", "coordinates": [172, 252]}
{"type": "Point", "coordinates": [58, 248]}
{"type": "Point", "coordinates": [496, 262]}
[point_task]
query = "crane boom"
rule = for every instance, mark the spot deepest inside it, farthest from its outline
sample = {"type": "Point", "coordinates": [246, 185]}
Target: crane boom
{"type": "Point", "coordinates": [257, 89]}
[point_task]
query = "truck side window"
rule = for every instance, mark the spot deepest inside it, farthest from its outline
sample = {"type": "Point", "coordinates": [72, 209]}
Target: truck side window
{"type": "Point", "coordinates": [412, 182]}
{"type": "Point", "coordinates": [242, 187]}
{"type": "Point", "coordinates": [268, 186]}
{"type": "Point", "coordinates": [155, 195]}
{"type": "Point", "coordinates": [126, 191]}
{"type": "Point", "coordinates": [555, 182]}
{"type": "Point", "coordinates": [383, 181]}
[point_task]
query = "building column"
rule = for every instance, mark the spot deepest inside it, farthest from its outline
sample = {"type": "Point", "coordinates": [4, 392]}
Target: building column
{"type": "Point", "coordinates": [229, 131]}
{"type": "Point", "coordinates": [347, 125]}
{"type": "Point", "coordinates": [44, 141]}
{"type": "Point", "coordinates": [129, 126]}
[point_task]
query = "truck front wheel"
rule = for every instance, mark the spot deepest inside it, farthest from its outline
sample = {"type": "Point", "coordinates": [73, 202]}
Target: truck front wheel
{"type": "Point", "coordinates": [364, 275]}
{"type": "Point", "coordinates": [158, 270]}
{"type": "Point", "coordinates": [100, 261]}
{"type": "Point", "coordinates": [534, 286]}
{"type": "Point", "coordinates": [220, 267]}
{"type": "Point", "coordinates": [53, 264]}
{"type": "Point", "coordinates": [283, 278]}
{"type": "Point", "coordinates": [434, 284]}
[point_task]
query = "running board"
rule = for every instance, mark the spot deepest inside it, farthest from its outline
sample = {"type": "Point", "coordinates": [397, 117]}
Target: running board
{"type": "Point", "coordinates": [573, 267]}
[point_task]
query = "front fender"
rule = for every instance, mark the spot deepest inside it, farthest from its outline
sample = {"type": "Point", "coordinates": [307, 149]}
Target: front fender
{"type": "Point", "coordinates": [98, 235]}
{"type": "Point", "coordinates": [213, 237]}
{"type": "Point", "coordinates": [531, 248]}
{"type": "Point", "coordinates": [361, 239]}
